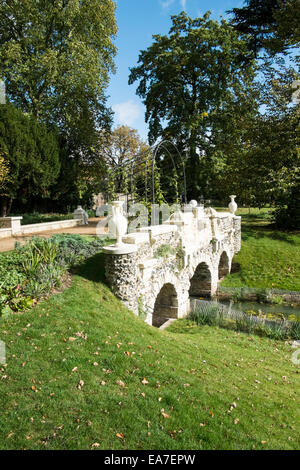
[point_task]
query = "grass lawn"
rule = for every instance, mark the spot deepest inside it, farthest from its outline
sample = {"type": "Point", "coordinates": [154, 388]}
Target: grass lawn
{"type": "Point", "coordinates": [83, 372]}
{"type": "Point", "coordinates": [268, 258]}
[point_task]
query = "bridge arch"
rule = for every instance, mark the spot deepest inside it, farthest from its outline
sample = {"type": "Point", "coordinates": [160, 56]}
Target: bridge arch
{"type": "Point", "coordinates": [166, 305]}
{"type": "Point", "coordinates": [201, 281]}
{"type": "Point", "coordinates": [224, 265]}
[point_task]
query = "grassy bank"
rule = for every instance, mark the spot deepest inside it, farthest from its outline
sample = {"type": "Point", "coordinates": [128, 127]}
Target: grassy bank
{"type": "Point", "coordinates": [83, 372]}
{"type": "Point", "coordinates": [268, 258]}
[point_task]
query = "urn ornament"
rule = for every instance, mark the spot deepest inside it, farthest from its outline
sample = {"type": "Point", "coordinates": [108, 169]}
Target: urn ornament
{"type": "Point", "coordinates": [118, 222]}
{"type": "Point", "coordinates": [233, 205]}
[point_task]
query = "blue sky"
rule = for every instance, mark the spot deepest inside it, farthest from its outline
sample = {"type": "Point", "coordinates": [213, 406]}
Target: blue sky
{"type": "Point", "coordinates": [137, 21]}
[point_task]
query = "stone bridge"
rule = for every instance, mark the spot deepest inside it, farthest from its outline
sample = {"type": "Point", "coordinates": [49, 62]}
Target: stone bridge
{"type": "Point", "coordinates": [158, 268]}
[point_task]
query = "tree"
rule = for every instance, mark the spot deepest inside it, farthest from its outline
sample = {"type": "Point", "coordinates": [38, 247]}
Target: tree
{"type": "Point", "coordinates": [271, 24]}
{"type": "Point", "coordinates": [56, 57]}
{"type": "Point", "coordinates": [195, 83]}
{"type": "Point", "coordinates": [30, 152]}
{"type": "Point", "coordinates": [124, 153]}
{"type": "Point", "coordinates": [265, 170]}
{"type": "Point", "coordinates": [4, 173]}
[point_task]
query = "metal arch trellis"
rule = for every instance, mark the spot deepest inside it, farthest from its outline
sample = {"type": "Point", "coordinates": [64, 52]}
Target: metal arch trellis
{"type": "Point", "coordinates": [139, 166]}
{"type": "Point", "coordinates": [155, 152]}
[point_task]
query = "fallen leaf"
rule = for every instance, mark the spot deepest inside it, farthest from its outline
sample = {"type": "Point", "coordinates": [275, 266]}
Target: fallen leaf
{"type": "Point", "coordinates": [120, 383]}
{"type": "Point", "coordinates": [95, 445]}
{"type": "Point", "coordinates": [236, 421]}
{"type": "Point", "coordinates": [120, 435]}
{"type": "Point", "coordinates": [165, 415]}
{"type": "Point", "coordinates": [80, 384]}
{"type": "Point", "coordinates": [145, 381]}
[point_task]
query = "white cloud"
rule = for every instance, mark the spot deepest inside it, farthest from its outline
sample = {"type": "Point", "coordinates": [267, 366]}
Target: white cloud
{"type": "Point", "coordinates": [127, 113]}
{"type": "Point", "coordinates": [167, 3]}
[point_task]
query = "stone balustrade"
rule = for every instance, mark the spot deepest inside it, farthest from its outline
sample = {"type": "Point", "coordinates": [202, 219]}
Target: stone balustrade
{"type": "Point", "coordinates": [158, 268]}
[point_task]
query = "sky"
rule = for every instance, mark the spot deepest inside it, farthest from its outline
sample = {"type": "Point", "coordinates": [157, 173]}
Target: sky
{"type": "Point", "coordinates": [137, 21]}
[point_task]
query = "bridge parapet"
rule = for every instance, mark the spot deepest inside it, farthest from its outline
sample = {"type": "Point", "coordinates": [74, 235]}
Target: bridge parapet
{"type": "Point", "coordinates": [159, 267]}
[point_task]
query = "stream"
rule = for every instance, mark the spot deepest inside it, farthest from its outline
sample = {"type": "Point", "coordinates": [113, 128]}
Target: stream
{"type": "Point", "coordinates": [289, 312]}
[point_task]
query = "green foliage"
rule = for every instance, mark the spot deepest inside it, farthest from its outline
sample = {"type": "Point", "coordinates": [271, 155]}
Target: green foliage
{"type": "Point", "coordinates": [164, 251]}
{"type": "Point", "coordinates": [271, 24]}
{"type": "Point", "coordinates": [33, 270]}
{"type": "Point", "coordinates": [196, 91]}
{"type": "Point", "coordinates": [73, 249]}
{"type": "Point", "coordinates": [37, 218]}
{"type": "Point", "coordinates": [212, 314]}
{"type": "Point", "coordinates": [56, 61]}
{"type": "Point", "coordinates": [31, 152]}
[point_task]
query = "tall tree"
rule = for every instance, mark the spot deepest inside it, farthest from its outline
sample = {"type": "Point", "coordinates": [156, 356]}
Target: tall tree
{"type": "Point", "coordinates": [195, 81]}
{"type": "Point", "coordinates": [271, 24]}
{"type": "Point", "coordinates": [124, 153]}
{"type": "Point", "coordinates": [30, 152]}
{"type": "Point", "coordinates": [56, 57]}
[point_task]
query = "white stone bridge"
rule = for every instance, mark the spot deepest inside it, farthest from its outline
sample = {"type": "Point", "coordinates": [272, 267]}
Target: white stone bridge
{"type": "Point", "coordinates": [158, 268]}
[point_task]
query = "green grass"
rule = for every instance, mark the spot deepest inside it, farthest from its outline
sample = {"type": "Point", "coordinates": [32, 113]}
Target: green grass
{"type": "Point", "coordinates": [269, 258]}
{"type": "Point", "coordinates": [194, 374]}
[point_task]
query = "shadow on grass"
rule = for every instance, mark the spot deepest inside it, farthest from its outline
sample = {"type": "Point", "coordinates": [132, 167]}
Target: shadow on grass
{"type": "Point", "coordinates": [268, 232]}
{"type": "Point", "coordinates": [92, 269]}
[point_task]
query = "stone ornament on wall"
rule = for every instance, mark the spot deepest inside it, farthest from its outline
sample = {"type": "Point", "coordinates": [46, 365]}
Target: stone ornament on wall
{"type": "Point", "coordinates": [204, 238]}
{"type": "Point", "coordinates": [118, 223]}
{"type": "Point", "coordinates": [233, 205]}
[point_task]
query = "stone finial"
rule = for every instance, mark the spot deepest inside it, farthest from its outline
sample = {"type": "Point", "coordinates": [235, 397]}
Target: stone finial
{"type": "Point", "coordinates": [193, 203]}
{"type": "Point", "coordinates": [118, 222]}
{"type": "Point", "coordinates": [233, 205]}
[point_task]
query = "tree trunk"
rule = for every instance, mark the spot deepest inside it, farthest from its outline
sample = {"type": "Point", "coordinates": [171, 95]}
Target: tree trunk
{"type": "Point", "coordinates": [9, 205]}
{"type": "Point", "coordinates": [3, 206]}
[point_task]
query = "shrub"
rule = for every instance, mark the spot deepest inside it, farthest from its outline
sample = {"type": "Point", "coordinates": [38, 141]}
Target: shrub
{"type": "Point", "coordinates": [33, 270]}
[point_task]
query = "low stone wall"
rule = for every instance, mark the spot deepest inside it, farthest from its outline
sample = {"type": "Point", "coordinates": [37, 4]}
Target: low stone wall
{"type": "Point", "coordinates": [11, 226]}
{"type": "Point", "coordinates": [5, 232]}
{"type": "Point", "coordinates": [45, 226]}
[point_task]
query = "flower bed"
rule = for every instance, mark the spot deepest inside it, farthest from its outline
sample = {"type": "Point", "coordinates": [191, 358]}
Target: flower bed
{"type": "Point", "coordinates": [32, 271]}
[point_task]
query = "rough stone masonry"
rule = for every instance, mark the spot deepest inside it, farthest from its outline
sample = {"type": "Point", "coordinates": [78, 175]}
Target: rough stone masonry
{"type": "Point", "coordinates": [160, 267]}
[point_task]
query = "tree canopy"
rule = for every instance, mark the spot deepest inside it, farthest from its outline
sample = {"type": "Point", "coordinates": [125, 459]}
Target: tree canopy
{"type": "Point", "coordinates": [272, 24]}
{"type": "Point", "coordinates": [56, 57]}
{"type": "Point", "coordinates": [196, 82]}
{"type": "Point", "coordinates": [30, 152]}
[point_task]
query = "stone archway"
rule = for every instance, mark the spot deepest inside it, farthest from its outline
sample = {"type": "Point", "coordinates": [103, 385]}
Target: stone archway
{"type": "Point", "coordinates": [201, 282]}
{"type": "Point", "coordinates": [223, 265]}
{"type": "Point", "coordinates": [166, 305]}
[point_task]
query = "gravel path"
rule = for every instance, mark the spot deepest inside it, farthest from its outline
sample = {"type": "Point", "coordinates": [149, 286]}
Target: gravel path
{"type": "Point", "coordinates": [7, 244]}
